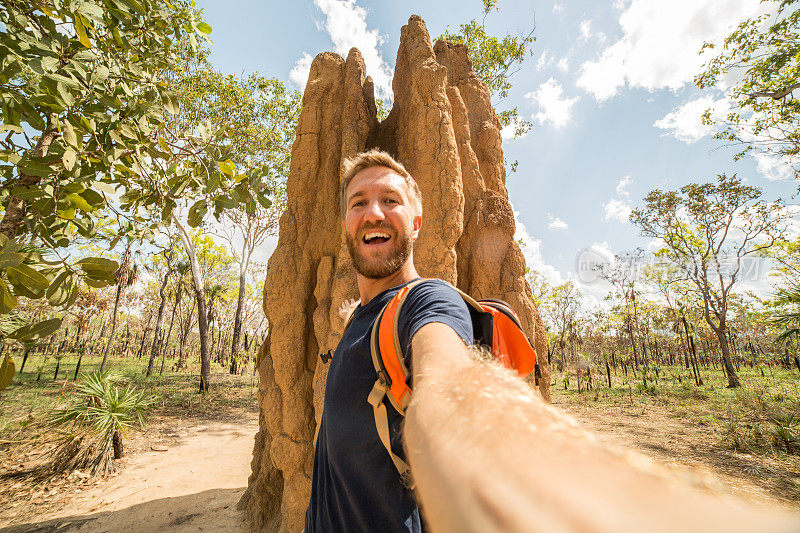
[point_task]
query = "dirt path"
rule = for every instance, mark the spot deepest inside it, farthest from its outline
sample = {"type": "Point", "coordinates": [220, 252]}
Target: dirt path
{"type": "Point", "coordinates": [188, 475]}
{"type": "Point", "coordinates": [184, 479]}
{"type": "Point", "coordinates": [692, 450]}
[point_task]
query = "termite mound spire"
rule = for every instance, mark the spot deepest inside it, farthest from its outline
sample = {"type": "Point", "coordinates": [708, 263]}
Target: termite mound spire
{"type": "Point", "coordinates": [443, 129]}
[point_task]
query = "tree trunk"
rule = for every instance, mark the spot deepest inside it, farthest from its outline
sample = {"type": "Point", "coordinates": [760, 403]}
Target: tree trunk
{"type": "Point", "coordinates": [185, 337]}
{"type": "Point", "coordinates": [17, 208]}
{"type": "Point", "coordinates": [144, 336]}
{"type": "Point", "coordinates": [77, 367]}
{"type": "Point", "coordinates": [24, 358]}
{"type": "Point", "coordinates": [237, 318]}
{"type": "Point", "coordinates": [162, 292]}
{"type": "Point", "coordinates": [205, 353]}
{"type": "Point", "coordinates": [116, 441]}
{"type": "Point", "coordinates": [733, 379]}
{"type": "Point", "coordinates": [113, 327]}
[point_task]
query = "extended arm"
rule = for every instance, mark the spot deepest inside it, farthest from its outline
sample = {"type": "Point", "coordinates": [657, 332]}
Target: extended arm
{"type": "Point", "coordinates": [488, 454]}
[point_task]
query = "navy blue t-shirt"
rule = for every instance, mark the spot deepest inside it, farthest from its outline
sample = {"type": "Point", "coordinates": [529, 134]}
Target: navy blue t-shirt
{"type": "Point", "coordinates": [355, 486]}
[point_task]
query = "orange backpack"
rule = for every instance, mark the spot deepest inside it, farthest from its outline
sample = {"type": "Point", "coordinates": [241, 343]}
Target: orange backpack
{"type": "Point", "coordinates": [495, 326]}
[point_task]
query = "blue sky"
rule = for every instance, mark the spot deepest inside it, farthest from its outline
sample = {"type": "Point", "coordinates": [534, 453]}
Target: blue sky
{"type": "Point", "coordinates": [608, 88]}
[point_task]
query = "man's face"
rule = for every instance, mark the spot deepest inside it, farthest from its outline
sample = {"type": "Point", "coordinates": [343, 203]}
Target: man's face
{"type": "Point", "coordinates": [380, 222]}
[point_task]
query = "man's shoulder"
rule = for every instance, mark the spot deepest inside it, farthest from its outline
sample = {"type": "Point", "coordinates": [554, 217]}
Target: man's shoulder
{"type": "Point", "coordinates": [435, 287]}
{"type": "Point", "coordinates": [435, 293]}
{"type": "Point", "coordinates": [434, 300]}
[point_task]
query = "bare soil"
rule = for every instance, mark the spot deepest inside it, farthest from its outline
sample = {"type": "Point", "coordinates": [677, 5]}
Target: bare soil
{"type": "Point", "coordinates": [692, 448]}
{"type": "Point", "coordinates": [187, 470]}
{"type": "Point", "coordinates": [177, 476]}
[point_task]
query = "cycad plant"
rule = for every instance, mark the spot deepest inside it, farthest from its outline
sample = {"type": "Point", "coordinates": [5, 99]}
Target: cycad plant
{"type": "Point", "coordinates": [788, 298]}
{"type": "Point", "coordinates": [96, 420]}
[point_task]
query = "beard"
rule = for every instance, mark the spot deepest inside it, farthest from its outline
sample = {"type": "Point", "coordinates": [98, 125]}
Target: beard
{"type": "Point", "coordinates": [383, 266]}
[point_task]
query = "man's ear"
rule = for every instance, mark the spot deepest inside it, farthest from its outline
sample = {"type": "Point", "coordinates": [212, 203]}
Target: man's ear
{"type": "Point", "coordinates": [416, 225]}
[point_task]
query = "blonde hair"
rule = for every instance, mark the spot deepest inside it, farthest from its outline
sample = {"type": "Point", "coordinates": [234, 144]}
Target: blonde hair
{"type": "Point", "coordinates": [377, 158]}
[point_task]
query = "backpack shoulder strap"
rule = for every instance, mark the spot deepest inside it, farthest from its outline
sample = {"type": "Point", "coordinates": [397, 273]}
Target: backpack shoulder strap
{"type": "Point", "coordinates": [387, 354]}
{"type": "Point", "coordinates": [392, 373]}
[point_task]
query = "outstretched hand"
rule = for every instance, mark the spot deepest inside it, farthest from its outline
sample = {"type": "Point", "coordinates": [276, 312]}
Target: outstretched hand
{"type": "Point", "coordinates": [347, 307]}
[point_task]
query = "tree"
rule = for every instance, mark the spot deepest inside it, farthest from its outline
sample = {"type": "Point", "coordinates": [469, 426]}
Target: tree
{"type": "Point", "coordinates": [169, 253]}
{"type": "Point", "coordinates": [90, 115]}
{"type": "Point", "coordinates": [495, 60]}
{"type": "Point", "coordinates": [764, 54]}
{"type": "Point", "coordinates": [709, 230]}
{"type": "Point", "coordinates": [255, 120]}
{"type": "Point", "coordinates": [125, 276]}
{"type": "Point", "coordinates": [561, 308]}
{"type": "Point", "coordinates": [621, 274]}
{"type": "Point", "coordinates": [99, 415]}
{"type": "Point", "coordinates": [260, 116]}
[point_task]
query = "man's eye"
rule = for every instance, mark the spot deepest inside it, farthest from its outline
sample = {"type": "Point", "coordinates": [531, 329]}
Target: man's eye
{"type": "Point", "coordinates": [391, 201]}
{"type": "Point", "coordinates": [358, 203]}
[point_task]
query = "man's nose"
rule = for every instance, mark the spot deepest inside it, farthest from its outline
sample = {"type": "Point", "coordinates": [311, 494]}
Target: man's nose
{"type": "Point", "coordinates": [374, 212]}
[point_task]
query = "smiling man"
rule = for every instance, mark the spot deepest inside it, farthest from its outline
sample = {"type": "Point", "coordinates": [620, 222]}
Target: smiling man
{"type": "Point", "coordinates": [486, 453]}
{"type": "Point", "coordinates": [355, 485]}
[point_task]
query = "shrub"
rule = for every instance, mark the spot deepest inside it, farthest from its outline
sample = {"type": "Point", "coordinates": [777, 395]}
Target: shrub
{"type": "Point", "coordinates": [96, 421]}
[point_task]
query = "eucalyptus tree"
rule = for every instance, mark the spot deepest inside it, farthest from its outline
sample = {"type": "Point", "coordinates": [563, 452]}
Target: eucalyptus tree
{"type": "Point", "coordinates": [260, 115]}
{"type": "Point", "coordinates": [622, 274]}
{"type": "Point", "coordinates": [762, 55]}
{"type": "Point", "coordinates": [495, 60]}
{"type": "Point", "coordinates": [88, 101]}
{"type": "Point", "coordinates": [125, 276]}
{"type": "Point", "coordinates": [169, 253]}
{"type": "Point", "coordinates": [561, 309]}
{"type": "Point", "coordinates": [710, 232]}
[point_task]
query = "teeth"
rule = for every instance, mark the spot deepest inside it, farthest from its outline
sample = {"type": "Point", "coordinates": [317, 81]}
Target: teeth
{"type": "Point", "coordinates": [373, 234]}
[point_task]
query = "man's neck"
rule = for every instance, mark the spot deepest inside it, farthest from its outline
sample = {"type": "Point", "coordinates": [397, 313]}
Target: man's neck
{"type": "Point", "coordinates": [370, 288]}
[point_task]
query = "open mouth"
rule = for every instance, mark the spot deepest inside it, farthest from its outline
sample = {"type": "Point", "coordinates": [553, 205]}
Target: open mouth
{"type": "Point", "coordinates": [375, 237]}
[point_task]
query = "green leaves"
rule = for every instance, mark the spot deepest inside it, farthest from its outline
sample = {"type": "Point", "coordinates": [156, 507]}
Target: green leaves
{"type": "Point", "coordinates": [99, 271]}
{"type": "Point", "coordinates": [80, 23]}
{"type": "Point", "coordinates": [227, 167]}
{"type": "Point", "coordinates": [7, 372]}
{"type": "Point", "coordinates": [62, 290]}
{"type": "Point", "coordinates": [7, 300]}
{"type": "Point", "coordinates": [34, 332]}
{"type": "Point", "coordinates": [170, 102]}
{"type": "Point", "coordinates": [197, 212]}
{"type": "Point", "coordinates": [27, 281]}
{"type": "Point", "coordinates": [495, 60]}
{"type": "Point", "coordinates": [764, 52]}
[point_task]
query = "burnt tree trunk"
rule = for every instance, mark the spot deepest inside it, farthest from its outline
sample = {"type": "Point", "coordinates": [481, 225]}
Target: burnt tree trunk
{"type": "Point", "coordinates": [205, 352]}
{"type": "Point", "coordinates": [116, 442]}
{"type": "Point", "coordinates": [162, 293]}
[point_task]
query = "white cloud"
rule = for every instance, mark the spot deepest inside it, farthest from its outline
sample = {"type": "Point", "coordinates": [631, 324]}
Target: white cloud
{"type": "Point", "coordinates": [543, 60]}
{"type": "Point", "coordinates": [660, 44]}
{"type": "Point", "coordinates": [774, 167]}
{"type": "Point", "coordinates": [685, 123]}
{"type": "Point", "coordinates": [555, 223]}
{"type": "Point", "coordinates": [558, 7]}
{"type": "Point", "coordinates": [553, 107]}
{"type": "Point", "coordinates": [299, 73]}
{"type": "Point", "coordinates": [563, 64]}
{"type": "Point", "coordinates": [604, 77]}
{"type": "Point", "coordinates": [623, 183]}
{"type": "Point", "coordinates": [617, 209]}
{"type": "Point", "coordinates": [346, 24]}
{"type": "Point", "coordinates": [586, 30]}
{"type": "Point", "coordinates": [532, 250]}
